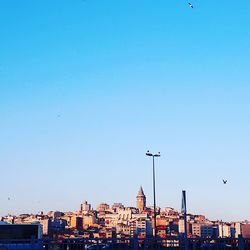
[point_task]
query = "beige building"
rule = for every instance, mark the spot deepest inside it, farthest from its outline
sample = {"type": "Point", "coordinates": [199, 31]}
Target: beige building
{"type": "Point", "coordinates": [89, 220]}
{"type": "Point", "coordinates": [85, 207]}
{"type": "Point", "coordinates": [45, 226]}
{"type": "Point", "coordinates": [196, 229]}
{"type": "Point", "coordinates": [224, 230]}
{"type": "Point", "coordinates": [181, 226]}
{"type": "Point", "coordinates": [102, 207]}
{"type": "Point", "coordinates": [237, 227]}
{"type": "Point", "coordinates": [76, 222]}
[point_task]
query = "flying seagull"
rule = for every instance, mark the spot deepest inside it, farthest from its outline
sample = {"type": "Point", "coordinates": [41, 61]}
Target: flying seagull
{"type": "Point", "coordinates": [224, 181]}
{"type": "Point", "coordinates": [191, 5]}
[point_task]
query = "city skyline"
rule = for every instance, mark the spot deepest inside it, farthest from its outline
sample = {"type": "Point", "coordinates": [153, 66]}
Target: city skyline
{"type": "Point", "coordinates": [139, 203]}
{"type": "Point", "coordinates": [121, 224]}
{"type": "Point", "coordinates": [119, 221]}
{"type": "Point", "coordinates": [87, 87]}
{"type": "Point", "coordinates": [141, 206]}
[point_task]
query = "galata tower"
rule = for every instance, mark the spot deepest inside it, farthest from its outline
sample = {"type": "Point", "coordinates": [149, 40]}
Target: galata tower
{"type": "Point", "coordinates": [141, 200]}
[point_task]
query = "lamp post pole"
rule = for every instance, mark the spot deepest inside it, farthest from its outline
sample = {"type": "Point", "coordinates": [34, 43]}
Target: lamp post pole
{"type": "Point", "coordinates": [153, 156]}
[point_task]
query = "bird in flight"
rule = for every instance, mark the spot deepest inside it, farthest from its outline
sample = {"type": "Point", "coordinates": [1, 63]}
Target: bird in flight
{"type": "Point", "coordinates": [224, 181]}
{"type": "Point", "coordinates": [191, 5]}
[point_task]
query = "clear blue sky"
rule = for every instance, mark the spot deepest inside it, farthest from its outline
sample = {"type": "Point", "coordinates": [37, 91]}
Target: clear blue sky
{"type": "Point", "coordinates": [86, 87]}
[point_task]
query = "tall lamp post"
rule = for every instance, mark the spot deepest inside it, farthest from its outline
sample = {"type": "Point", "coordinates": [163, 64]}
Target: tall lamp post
{"type": "Point", "coordinates": [153, 156]}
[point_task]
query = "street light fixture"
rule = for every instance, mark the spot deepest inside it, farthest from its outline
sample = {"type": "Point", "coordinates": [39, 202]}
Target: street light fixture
{"type": "Point", "coordinates": [153, 156]}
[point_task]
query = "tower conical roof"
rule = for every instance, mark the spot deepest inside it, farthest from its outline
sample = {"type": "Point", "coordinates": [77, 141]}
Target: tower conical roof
{"type": "Point", "coordinates": [140, 192]}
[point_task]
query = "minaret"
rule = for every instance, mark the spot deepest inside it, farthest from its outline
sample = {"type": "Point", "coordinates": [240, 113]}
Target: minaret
{"type": "Point", "coordinates": [141, 200]}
